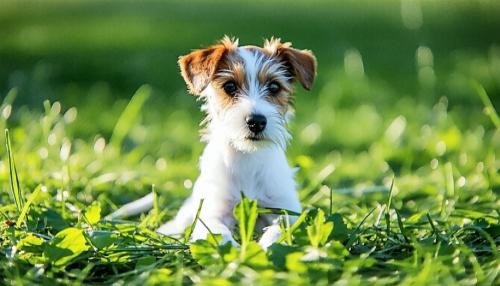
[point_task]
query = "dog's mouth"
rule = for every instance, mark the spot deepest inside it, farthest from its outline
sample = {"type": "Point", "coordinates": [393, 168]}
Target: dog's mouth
{"type": "Point", "coordinates": [255, 138]}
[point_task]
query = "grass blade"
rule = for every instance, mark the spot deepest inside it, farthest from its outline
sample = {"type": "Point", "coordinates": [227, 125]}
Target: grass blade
{"type": "Point", "coordinates": [26, 207]}
{"type": "Point", "coordinates": [278, 211]}
{"type": "Point", "coordinates": [11, 95]}
{"type": "Point", "coordinates": [353, 236]}
{"type": "Point", "coordinates": [489, 109]}
{"type": "Point", "coordinates": [448, 202]}
{"type": "Point", "coordinates": [388, 208]}
{"type": "Point", "coordinates": [291, 229]}
{"type": "Point", "coordinates": [156, 203]}
{"type": "Point", "coordinates": [246, 214]}
{"type": "Point", "coordinates": [190, 230]}
{"type": "Point", "coordinates": [15, 186]}
{"type": "Point", "coordinates": [331, 202]}
{"type": "Point", "coordinates": [6, 106]}
{"type": "Point", "coordinates": [434, 229]}
{"type": "Point", "coordinates": [128, 116]}
{"type": "Point", "coordinates": [401, 227]}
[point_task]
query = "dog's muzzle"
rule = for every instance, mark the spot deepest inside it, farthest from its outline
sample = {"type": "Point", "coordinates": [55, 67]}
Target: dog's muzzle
{"type": "Point", "coordinates": [256, 123]}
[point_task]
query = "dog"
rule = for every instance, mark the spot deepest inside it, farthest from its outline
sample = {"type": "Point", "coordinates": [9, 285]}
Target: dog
{"type": "Point", "coordinates": [247, 95]}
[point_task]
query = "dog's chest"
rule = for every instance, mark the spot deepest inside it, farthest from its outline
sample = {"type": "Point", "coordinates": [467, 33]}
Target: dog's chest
{"type": "Point", "coordinates": [261, 175]}
{"type": "Point", "coordinates": [247, 174]}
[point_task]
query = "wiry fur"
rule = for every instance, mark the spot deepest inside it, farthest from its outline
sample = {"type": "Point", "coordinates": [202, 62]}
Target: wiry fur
{"type": "Point", "coordinates": [234, 160]}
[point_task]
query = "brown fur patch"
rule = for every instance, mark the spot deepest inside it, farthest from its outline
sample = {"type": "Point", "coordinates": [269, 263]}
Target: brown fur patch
{"type": "Point", "coordinates": [224, 100]}
{"type": "Point", "coordinates": [230, 68]}
{"type": "Point", "coordinates": [302, 62]}
{"type": "Point", "coordinates": [198, 67]}
{"type": "Point", "coordinates": [283, 100]}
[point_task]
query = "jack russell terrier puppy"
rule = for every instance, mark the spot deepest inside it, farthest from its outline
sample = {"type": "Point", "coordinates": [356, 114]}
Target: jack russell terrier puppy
{"type": "Point", "coordinates": [247, 94]}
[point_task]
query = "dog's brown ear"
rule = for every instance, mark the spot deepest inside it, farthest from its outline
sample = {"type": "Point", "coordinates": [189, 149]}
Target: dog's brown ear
{"type": "Point", "coordinates": [302, 63]}
{"type": "Point", "coordinates": [198, 67]}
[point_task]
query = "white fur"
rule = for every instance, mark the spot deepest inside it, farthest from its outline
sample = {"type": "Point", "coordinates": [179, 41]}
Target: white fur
{"type": "Point", "coordinates": [231, 163]}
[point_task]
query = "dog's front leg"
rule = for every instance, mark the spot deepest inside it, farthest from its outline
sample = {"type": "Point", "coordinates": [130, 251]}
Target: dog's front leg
{"type": "Point", "coordinates": [216, 217]}
{"type": "Point", "coordinates": [273, 232]}
{"type": "Point", "coordinates": [212, 226]}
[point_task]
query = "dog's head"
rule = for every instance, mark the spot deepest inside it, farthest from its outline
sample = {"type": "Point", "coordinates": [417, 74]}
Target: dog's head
{"type": "Point", "coordinates": [248, 90]}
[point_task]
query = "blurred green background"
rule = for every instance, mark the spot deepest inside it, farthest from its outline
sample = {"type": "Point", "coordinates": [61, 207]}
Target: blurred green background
{"type": "Point", "coordinates": [393, 92]}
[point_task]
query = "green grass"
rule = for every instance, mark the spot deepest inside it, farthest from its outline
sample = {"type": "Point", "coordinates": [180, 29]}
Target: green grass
{"type": "Point", "coordinates": [397, 146]}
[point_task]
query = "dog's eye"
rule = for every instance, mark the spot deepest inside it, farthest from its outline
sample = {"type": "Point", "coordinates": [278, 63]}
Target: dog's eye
{"type": "Point", "coordinates": [273, 87]}
{"type": "Point", "coordinates": [230, 87]}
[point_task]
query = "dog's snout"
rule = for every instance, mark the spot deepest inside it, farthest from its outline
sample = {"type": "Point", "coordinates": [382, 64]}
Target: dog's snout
{"type": "Point", "coordinates": [256, 123]}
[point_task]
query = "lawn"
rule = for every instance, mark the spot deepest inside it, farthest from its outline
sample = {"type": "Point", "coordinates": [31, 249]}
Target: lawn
{"type": "Point", "coordinates": [397, 147]}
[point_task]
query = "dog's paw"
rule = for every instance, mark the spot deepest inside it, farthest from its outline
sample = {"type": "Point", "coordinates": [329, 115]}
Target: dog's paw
{"type": "Point", "coordinates": [271, 235]}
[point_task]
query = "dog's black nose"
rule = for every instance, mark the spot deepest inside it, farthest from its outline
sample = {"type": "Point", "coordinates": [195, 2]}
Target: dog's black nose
{"type": "Point", "coordinates": [256, 123]}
